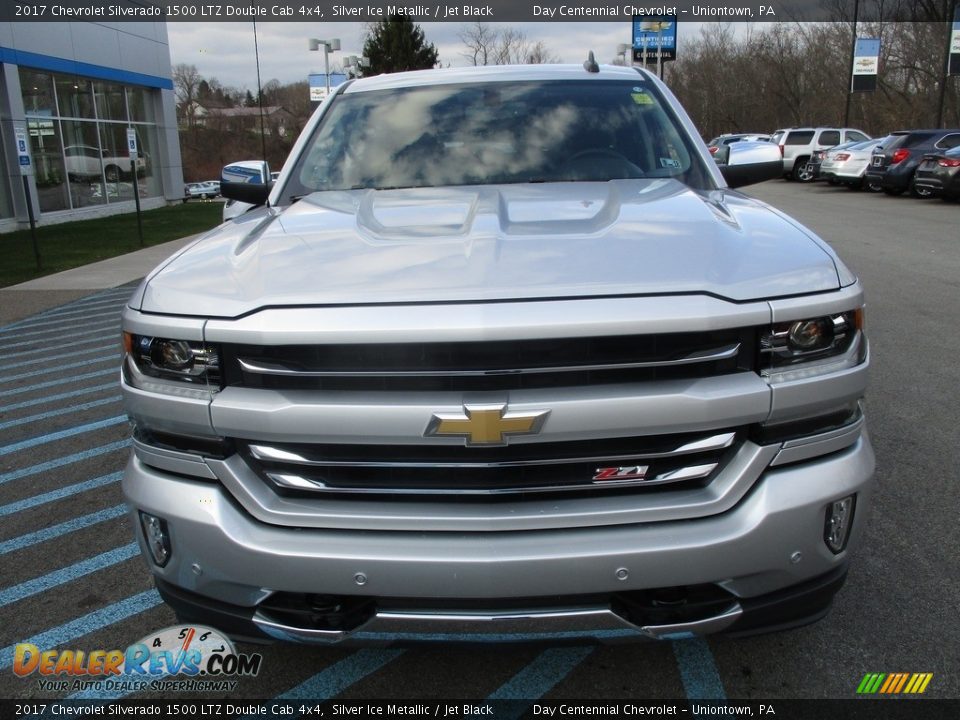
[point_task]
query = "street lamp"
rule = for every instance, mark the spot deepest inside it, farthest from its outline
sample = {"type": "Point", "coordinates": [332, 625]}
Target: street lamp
{"type": "Point", "coordinates": [353, 64]}
{"type": "Point", "coordinates": [622, 50]}
{"type": "Point", "coordinates": [328, 47]}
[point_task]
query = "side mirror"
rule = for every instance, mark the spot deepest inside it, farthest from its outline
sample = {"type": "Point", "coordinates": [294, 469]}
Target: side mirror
{"type": "Point", "coordinates": [750, 162]}
{"type": "Point", "coordinates": [247, 181]}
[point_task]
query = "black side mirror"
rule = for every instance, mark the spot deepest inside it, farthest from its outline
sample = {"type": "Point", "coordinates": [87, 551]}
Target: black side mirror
{"type": "Point", "coordinates": [247, 181]}
{"type": "Point", "coordinates": [748, 163]}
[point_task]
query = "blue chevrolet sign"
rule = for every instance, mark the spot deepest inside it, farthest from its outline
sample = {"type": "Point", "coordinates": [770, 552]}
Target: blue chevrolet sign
{"type": "Point", "coordinates": [653, 32]}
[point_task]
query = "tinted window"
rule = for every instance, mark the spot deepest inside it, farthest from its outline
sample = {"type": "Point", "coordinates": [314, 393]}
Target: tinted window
{"type": "Point", "coordinates": [799, 137]}
{"type": "Point", "coordinates": [830, 137]}
{"type": "Point", "coordinates": [776, 137]}
{"type": "Point", "coordinates": [484, 133]}
{"type": "Point", "coordinates": [949, 141]}
{"type": "Point", "coordinates": [897, 141]}
{"type": "Point", "coordinates": [914, 139]}
{"type": "Point", "coordinates": [953, 152]}
{"type": "Point", "coordinates": [854, 135]}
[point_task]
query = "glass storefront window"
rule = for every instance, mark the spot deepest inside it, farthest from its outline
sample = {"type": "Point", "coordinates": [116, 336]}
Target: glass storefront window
{"type": "Point", "coordinates": [78, 133]}
{"type": "Point", "coordinates": [74, 97]}
{"type": "Point", "coordinates": [81, 149]}
{"type": "Point", "coordinates": [47, 151]}
{"type": "Point", "coordinates": [37, 88]}
{"type": "Point", "coordinates": [111, 104]}
{"type": "Point", "coordinates": [138, 102]}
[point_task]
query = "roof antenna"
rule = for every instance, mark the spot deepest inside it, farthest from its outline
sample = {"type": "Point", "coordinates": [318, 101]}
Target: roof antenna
{"type": "Point", "coordinates": [591, 65]}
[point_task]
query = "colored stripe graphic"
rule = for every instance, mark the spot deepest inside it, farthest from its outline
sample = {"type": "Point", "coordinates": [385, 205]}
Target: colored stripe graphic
{"type": "Point", "coordinates": [38, 536]}
{"type": "Point", "coordinates": [341, 675]}
{"type": "Point", "coordinates": [96, 620]}
{"type": "Point", "coordinates": [59, 494]}
{"type": "Point", "coordinates": [69, 432]}
{"type": "Point", "coordinates": [62, 576]}
{"type": "Point", "coordinates": [894, 683]}
{"type": "Point", "coordinates": [62, 411]}
{"type": "Point", "coordinates": [701, 681]}
{"type": "Point", "coordinates": [60, 462]}
{"type": "Point", "coordinates": [541, 675]}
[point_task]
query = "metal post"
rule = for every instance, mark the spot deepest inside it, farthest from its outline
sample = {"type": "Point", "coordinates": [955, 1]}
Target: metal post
{"type": "Point", "coordinates": [33, 221]}
{"type": "Point", "coordinates": [136, 197]}
{"type": "Point", "coordinates": [853, 50]}
{"type": "Point", "coordinates": [951, 13]}
{"type": "Point", "coordinates": [326, 66]}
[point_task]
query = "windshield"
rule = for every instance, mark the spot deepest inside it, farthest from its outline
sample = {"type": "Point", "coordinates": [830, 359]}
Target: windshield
{"type": "Point", "coordinates": [503, 132]}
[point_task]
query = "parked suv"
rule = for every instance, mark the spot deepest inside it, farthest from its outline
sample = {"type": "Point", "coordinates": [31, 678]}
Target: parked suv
{"type": "Point", "coordinates": [797, 146]}
{"type": "Point", "coordinates": [894, 165]}
{"type": "Point", "coordinates": [503, 358]}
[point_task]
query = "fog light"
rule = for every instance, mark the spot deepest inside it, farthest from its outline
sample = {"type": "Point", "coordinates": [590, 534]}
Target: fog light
{"type": "Point", "coordinates": [158, 539]}
{"type": "Point", "coordinates": [839, 519]}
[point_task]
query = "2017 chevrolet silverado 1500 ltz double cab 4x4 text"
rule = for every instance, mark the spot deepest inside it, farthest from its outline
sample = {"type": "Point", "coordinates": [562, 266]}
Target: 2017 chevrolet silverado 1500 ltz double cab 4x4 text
{"type": "Point", "coordinates": [501, 357]}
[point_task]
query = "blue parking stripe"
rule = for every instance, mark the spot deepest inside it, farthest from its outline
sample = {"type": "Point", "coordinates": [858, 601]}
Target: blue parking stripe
{"type": "Point", "coordinates": [65, 336]}
{"type": "Point", "coordinates": [74, 308]}
{"type": "Point", "coordinates": [91, 314]}
{"type": "Point", "coordinates": [69, 432]}
{"type": "Point", "coordinates": [87, 624]}
{"type": "Point", "coordinates": [60, 346]}
{"type": "Point", "coordinates": [540, 676]}
{"type": "Point", "coordinates": [61, 381]}
{"type": "Point", "coordinates": [36, 333]}
{"type": "Point", "coordinates": [701, 681]}
{"type": "Point", "coordinates": [70, 573]}
{"type": "Point", "coordinates": [65, 460]}
{"type": "Point", "coordinates": [54, 531]}
{"type": "Point", "coordinates": [51, 358]}
{"type": "Point", "coordinates": [112, 357]}
{"type": "Point", "coordinates": [342, 674]}
{"type": "Point", "coordinates": [60, 396]}
{"type": "Point", "coordinates": [62, 411]}
{"type": "Point", "coordinates": [59, 494]}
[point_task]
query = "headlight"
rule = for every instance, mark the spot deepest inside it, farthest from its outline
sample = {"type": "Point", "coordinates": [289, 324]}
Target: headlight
{"type": "Point", "coordinates": [814, 346]}
{"type": "Point", "coordinates": [182, 367]}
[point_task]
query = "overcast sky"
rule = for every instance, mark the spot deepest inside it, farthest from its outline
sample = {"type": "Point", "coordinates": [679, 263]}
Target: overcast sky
{"type": "Point", "coordinates": [225, 50]}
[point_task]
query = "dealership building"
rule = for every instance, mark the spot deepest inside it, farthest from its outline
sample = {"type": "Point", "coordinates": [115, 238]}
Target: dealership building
{"type": "Point", "coordinates": [72, 91]}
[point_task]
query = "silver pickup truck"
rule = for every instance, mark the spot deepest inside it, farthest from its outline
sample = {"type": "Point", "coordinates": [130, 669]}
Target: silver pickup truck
{"type": "Point", "coordinates": [501, 357]}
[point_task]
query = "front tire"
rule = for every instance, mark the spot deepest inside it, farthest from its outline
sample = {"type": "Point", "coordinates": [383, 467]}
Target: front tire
{"type": "Point", "coordinates": [801, 173]}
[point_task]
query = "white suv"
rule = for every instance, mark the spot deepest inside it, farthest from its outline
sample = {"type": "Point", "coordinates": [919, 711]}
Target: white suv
{"type": "Point", "coordinates": [797, 146]}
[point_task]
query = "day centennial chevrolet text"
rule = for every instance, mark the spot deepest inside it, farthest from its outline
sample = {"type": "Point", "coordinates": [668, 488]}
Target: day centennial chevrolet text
{"type": "Point", "coordinates": [501, 357]}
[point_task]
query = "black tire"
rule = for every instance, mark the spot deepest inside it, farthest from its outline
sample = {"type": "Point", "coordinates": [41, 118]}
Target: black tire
{"type": "Point", "coordinates": [800, 171]}
{"type": "Point", "coordinates": [872, 186]}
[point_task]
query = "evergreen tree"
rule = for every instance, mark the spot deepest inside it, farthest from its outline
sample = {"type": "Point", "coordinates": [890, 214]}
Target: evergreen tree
{"type": "Point", "coordinates": [395, 45]}
{"type": "Point", "coordinates": [249, 100]}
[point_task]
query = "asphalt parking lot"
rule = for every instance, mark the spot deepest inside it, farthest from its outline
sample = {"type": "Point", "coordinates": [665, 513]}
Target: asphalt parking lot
{"type": "Point", "coordinates": [72, 575]}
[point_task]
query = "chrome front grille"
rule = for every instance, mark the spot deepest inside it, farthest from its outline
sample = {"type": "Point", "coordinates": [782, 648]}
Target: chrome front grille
{"type": "Point", "coordinates": [618, 464]}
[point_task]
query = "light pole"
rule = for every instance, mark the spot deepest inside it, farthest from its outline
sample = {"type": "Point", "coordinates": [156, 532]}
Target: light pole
{"type": "Point", "coordinates": [353, 65]}
{"type": "Point", "coordinates": [328, 47]}
{"type": "Point", "coordinates": [622, 50]}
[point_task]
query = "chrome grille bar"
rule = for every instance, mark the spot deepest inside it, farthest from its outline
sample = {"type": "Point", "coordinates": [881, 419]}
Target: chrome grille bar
{"type": "Point", "coordinates": [260, 367]}
{"type": "Point", "coordinates": [298, 482]}
{"type": "Point", "coordinates": [710, 443]}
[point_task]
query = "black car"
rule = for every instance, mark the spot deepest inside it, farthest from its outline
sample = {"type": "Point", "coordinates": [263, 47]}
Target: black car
{"type": "Point", "coordinates": [893, 166]}
{"type": "Point", "coordinates": [940, 174]}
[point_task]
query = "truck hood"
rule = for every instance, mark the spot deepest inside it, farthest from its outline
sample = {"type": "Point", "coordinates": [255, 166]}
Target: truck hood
{"type": "Point", "coordinates": [461, 244]}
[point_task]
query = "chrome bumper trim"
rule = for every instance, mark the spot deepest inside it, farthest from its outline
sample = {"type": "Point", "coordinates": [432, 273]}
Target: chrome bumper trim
{"type": "Point", "coordinates": [587, 623]}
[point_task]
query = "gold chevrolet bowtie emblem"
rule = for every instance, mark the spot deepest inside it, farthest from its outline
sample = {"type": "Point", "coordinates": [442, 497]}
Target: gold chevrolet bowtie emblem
{"type": "Point", "coordinates": [486, 424]}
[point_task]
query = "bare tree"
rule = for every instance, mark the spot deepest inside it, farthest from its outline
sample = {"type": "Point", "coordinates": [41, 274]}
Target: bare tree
{"type": "Point", "coordinates": [488, 46]}
{"type": "Point", "coordinates": [186, 81]}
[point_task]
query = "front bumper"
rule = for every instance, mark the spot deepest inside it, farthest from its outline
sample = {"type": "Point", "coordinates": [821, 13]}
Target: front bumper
{"type": "Point", "coordinates": [763, 552]}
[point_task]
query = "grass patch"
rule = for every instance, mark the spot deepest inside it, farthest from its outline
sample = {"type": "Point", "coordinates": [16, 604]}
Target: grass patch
{"type": "Point", "coordinates": [70, 245]}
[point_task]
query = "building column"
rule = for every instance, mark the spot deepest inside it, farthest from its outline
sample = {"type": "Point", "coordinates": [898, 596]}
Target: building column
{"type": "Point", "coordinates": [11, 113]}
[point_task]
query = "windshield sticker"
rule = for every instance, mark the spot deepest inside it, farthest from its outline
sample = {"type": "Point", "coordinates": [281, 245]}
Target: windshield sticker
{"type": "Point", "coordinates": [669, 163]}
{"type": "Point", "coordinates": [640, 97]}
